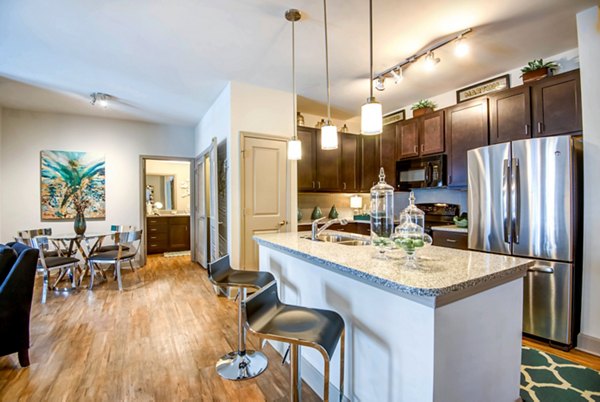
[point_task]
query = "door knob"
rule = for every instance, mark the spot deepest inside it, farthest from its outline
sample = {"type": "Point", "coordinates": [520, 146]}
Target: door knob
{"type": "Point", "coordinates": [283, 223]}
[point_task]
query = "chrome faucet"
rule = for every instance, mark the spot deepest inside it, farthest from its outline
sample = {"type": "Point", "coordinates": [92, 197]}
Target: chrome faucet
{"type": "Point", "coordinates": [316, 231]}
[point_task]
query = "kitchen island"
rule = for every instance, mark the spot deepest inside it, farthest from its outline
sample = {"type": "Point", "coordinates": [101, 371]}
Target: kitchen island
{"type": "Point", "coordinates": [449, 330]}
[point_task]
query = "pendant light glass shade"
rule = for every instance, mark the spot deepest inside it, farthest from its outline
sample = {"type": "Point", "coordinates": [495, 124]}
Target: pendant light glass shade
{"type": "Point", "coordinates": [329, 136]}
{"type": "Point", "coordinates": [371, 118]}
{"type": "Point", "coordinates": [371, 113]}
{"type": "Point", "coordinates": [294, 151]}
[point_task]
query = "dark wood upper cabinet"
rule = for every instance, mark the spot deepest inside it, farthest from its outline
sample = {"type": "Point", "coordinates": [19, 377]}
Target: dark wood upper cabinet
{"type": "Point", "coordinates": [350, 175]}
{"type": "Point", "coordinates": [408, 139]}
{"type": "Point", "coordinates": [510, 115]}
{"type": "Point", "coordinates": [432, 133]}
{"type": "Point", "coordinates": [328, 167]}
{"type": "Point", "coordinates": [388, 152]}
{"type": "Point", "coordinates": [369, 161]}
{"type": "Point", "coordinates": [466, 128]}
{"type": "Point", "coordinates": [306, 165]}
{"type": "Point", "coordinates": [556, 105]}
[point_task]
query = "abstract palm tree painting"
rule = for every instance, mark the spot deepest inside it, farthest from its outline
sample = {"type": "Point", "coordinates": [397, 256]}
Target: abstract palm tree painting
{"type": "Point", "coordinates": [69, 179]}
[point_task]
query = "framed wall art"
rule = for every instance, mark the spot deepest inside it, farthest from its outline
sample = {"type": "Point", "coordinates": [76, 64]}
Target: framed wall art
{"type": "Point", "coordinates": [71, 181]}
{"type": "Point", "coordinates": [483, 88]}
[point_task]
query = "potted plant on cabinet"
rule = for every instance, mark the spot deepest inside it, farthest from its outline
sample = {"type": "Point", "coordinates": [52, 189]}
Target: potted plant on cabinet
{"type": "Point", "coordinates": [422, 107]}
{"type": "Point", "coordinates": [537, 69]}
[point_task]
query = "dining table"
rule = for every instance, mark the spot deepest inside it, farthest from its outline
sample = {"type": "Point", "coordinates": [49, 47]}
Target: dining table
{"type": "Point", "coordinates": [85, 244]}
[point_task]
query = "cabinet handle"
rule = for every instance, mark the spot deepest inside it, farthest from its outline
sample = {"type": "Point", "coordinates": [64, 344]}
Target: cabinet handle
{"type": "Point", "coordinates": [319, 184]}
{"type": "Point", "coordinates": [539, 127]}
{"type": "Point", "coordinates": [415, 149]}
{"type": "Point", "coordinates": [422, 148]}
{"type": "Point", "coordinates": [451, 240]}
{"type": "Point", "coordinates": [344, 185]}
{"type": "Point", "coordinates": [313, 184]}
{"type": "Point", "coordinates": [526, 129]}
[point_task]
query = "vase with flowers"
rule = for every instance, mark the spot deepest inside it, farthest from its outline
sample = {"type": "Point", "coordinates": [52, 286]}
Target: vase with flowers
{"type": "Point", "coordinates": [80, 203]}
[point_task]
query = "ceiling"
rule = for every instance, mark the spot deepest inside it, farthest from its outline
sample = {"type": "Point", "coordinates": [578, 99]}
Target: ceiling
{"type": "Point", "coordinates": [167, 61]}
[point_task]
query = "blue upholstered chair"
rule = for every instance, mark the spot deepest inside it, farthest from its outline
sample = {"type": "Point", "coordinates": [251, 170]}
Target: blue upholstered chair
{"type": "Point", "coordinates": [17, 275]}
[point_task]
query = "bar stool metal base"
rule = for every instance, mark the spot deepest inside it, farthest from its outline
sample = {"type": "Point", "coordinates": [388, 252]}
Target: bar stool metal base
{"type": "Point", "coordinates": [236, 366]}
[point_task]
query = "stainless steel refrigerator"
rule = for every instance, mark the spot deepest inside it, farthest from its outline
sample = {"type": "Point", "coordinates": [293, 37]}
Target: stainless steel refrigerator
{"type": "Point", "coordinates": [525, 200]}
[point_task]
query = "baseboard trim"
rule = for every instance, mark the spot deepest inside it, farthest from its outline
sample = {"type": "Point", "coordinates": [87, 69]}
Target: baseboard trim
{"type": "Point", "coordinates": [589, 344]}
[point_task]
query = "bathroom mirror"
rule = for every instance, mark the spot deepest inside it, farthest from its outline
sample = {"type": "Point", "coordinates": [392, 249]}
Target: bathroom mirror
{"type": "Point", "coordinates": [161, 189]}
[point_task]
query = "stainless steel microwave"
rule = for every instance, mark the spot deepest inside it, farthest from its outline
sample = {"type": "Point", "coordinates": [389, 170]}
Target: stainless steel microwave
{"type": "Point", "coordinates": [421, 172]}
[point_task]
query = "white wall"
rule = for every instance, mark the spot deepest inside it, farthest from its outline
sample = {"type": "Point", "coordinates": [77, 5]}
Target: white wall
{"type": "Point", "coordinates": [588, 30]}
{"type": "Point", "coordinates": [244, 108]}
{"type": "Point", "coordinates": [1, 170]}
{"type": "Point", "coordinates": [260, 111]}
{"type": "Point", "coordinates": [216, 122]}
{"type": "Point", "coordinates": [181, 171]}
{"type": "Point", "coordinates": [25, 134]}
{"type": "Point", "coordinates": [311, 120]}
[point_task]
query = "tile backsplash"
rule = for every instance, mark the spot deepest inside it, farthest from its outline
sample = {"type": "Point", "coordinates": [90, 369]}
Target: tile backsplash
{"type": "Point", "coordinates": [308, 201]}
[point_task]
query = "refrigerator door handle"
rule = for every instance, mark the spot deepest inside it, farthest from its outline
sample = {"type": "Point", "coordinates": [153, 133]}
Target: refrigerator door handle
{"type": "Point", "coordinates": [541, 268]}
{"type": "Point", "coordinates": [516, 199]}
{"type": "Point", "coordinates": [506, 200]}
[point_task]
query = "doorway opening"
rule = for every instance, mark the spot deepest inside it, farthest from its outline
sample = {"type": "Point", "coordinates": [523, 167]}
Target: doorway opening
{"type": "Point", "coordinates": [167, 184]}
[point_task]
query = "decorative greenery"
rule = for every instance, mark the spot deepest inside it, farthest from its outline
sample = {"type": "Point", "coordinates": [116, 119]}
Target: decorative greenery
{"type": "Point", "coordinates": [539, 64]}
{"type": "Point", "coordinates": [423, 104]}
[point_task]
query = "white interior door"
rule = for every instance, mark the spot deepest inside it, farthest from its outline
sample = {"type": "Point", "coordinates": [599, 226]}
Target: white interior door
{"type": "Point", "coordinates": [265, 193]}
{"type": "Point", "coordinates": [201, 228]}
{"type": "Point", "coordinates": [213, 203]}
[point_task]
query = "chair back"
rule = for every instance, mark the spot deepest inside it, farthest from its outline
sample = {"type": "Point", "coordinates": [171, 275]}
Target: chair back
{"type": "Point", "coordinates": [25, 236]}
{"type": "Point", "coordinates": [122, 228]}
{"type": "Point", "coordinates": [40, 242]}
{"type": "Point", "coordinates": [127, 238]}
{"type": "Point", "coordinates": [262, 304]}
{"type": "Point", "coordinates": [217, 268]}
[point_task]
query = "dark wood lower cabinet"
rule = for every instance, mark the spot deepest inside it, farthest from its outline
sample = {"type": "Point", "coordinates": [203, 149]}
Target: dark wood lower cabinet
{"type": "Point", "coordinates": [444, 238]}
{"type": "Point", "coordinates": [167, 233]}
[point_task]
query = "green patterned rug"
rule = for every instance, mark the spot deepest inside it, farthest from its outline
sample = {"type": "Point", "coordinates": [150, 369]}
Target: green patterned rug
{"type": "Point", "coordinates": [549, 378]}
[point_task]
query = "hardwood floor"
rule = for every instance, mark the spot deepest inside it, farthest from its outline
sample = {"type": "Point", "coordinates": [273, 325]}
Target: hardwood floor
{"type": "Point", "coordinates": [159, 340]}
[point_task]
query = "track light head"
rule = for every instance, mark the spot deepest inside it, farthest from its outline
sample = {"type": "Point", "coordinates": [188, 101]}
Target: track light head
{"type": "Point", "coordinates": [461, 47]}
{"type": "Point", "coordinates": [430, 61]}
{"type": "Point", "coordinates": [100, 99]}
{"type": "Point", "coordinates": [380, 83]}
{"type": "Point", "coordinates": [397, 74]}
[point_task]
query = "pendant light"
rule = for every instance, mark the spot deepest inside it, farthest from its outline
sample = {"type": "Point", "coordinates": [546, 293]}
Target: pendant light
{"type": "Point", "coordinates": [371, 114]}
{"type": "Point", "coordinates": [329, 134]}
{"type": "Point", "coordinates": [294, 150]}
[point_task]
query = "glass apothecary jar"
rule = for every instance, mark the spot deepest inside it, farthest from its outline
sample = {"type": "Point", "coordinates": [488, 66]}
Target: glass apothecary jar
{"type": "Point", "coordinates": [414, 214]}
{"type": "Point", "coordinates": [382, 215]}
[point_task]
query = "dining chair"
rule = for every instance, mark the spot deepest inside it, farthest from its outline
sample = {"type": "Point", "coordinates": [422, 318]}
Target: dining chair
{"type": "Point", "coordinates": [64, 264]}
{"type": "Point", "coordinates": [128, 244]}
{"type": "Point", "coordinates": [116, 228]}
{"type": "Point", "coordinates": [25, 236]}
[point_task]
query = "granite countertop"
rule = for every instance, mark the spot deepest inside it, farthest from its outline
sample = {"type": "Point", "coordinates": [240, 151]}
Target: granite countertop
{"type": "Point", "coordinates": [450, 228]}
{"type": "Point", "coordinates": [444, 275]}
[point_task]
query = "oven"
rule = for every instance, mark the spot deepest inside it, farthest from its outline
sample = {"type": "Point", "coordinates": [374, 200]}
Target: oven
{"type": "Point", "coordinates": [421, 172]}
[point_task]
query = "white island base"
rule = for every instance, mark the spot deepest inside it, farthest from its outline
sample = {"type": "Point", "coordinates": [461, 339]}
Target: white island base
{"type": "Point", "coordinates": [399, 348]}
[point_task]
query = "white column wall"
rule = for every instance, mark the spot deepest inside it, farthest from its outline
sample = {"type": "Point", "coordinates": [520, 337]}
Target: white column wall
{"type": "Point", "coordinates": [588, 23]}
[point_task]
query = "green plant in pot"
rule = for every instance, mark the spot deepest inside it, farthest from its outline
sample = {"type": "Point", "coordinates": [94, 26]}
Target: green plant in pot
{"type": "Point", "coordinates": [422, 107]}
{"type": "Point", "coordinates": [537, 69]}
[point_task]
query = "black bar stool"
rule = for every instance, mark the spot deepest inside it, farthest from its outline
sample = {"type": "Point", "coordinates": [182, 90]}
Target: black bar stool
{"type": "Point", "coordinates": [269, 318]}
{"type": "Point", "coordinates": [240, 364]}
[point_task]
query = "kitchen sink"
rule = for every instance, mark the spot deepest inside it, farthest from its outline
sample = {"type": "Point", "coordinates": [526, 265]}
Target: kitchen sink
{"type": "Point", "coordinates": [344, 239]}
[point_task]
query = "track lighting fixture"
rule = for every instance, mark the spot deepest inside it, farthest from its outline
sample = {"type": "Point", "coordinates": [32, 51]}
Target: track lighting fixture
{"type": "Point", "coordinates": [396, 72]}
{"type": "Point", "coordinates": [461, 48]}
{"type": "Point", "coordinates": [430, 61]}
{"type": "Point", "coordinates": [100, 99]}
